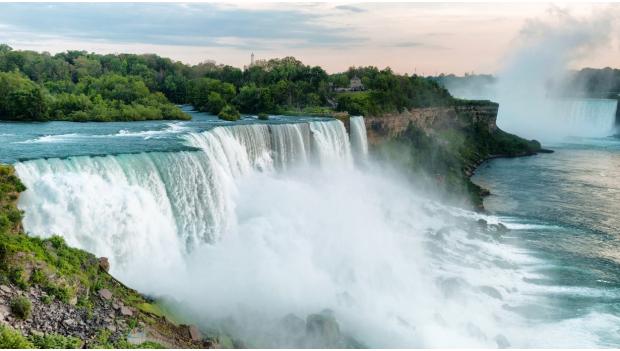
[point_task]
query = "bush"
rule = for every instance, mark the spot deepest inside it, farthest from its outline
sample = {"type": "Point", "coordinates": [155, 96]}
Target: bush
{"type": "Point", "coordinates": [20, 307]}
{"type": "Point", "coordinates": [55, 341]}
{"type": "Point", "coordinates": [229, 113]}
{"type": "Point", "coordinates": [263, 116]}
{"type": "Point", "coordinates": [11, 339]}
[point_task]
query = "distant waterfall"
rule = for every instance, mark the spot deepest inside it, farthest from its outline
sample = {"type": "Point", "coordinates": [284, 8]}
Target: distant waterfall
{"type": "Point", "coordinates": [359, 139]}
{"type": "Point", "coordinates": [553, 119]}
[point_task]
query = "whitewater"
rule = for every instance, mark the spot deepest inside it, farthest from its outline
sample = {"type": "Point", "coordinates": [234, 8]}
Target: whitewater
{"type": "Point", "coordinates": [248, 224]}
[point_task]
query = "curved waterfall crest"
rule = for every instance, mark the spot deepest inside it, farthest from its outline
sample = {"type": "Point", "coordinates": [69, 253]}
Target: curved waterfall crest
{"type": "Point", "coordinates": [112, 205]}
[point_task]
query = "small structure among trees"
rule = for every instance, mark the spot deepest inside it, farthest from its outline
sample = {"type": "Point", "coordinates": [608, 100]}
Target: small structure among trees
{"type": "Point", "coordinates": [355, 84]}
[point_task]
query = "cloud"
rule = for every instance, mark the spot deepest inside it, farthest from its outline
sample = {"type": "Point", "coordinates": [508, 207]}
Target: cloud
{"type": "Point", "coordinates": [414, 44]}
{"type": "Point", "coordinates": [174, 24]}
{"type": "Point", "coordinates": [350, 8]}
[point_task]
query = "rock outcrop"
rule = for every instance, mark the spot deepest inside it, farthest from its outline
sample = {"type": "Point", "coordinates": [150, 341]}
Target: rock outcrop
{"type": "Point", "coordinates": [430, 119]}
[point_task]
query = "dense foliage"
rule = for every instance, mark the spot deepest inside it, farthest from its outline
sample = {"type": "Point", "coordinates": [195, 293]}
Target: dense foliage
{"type": "Point", "coordinates": [82, 86]}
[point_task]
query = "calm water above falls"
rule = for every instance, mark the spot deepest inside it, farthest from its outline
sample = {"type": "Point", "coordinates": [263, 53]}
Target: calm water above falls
{"type": "Point", "coordinates": [27, 141]}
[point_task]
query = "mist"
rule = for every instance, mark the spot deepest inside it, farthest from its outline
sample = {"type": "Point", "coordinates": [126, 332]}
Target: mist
{"type": "Point", "coordinates": [536, 96]}
{"type": "Point", "coordinates": [263, 243]}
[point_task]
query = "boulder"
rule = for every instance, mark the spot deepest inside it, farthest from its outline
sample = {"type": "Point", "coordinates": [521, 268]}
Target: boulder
{"type": "Point", "coordinates": [194, 333]}
{"type": "Point", "coordinates": [105, 294]}
{"type": "Point", "coordinates": [322, 330]}
{"type": "Point", "coordinates": [502, 341]}
{"type": "Point", "coordinates": [5, 311]}
{"type": "Point", "coordinates": [126, 311]}
{"type": "Point", "coordinates": [5, 289]}
{"type": "Point", "coordinates": [104, 264]}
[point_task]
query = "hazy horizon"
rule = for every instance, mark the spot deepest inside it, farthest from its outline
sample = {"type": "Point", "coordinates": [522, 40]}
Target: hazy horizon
{"type": "Point", "coordinates": [422, 38]}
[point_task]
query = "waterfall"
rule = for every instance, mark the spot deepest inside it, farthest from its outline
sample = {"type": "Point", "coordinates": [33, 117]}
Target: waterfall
{"type": "Point", "coordinates": [291, 144]}
{"type": "Point", "coordinates": [330, 142]}
{"type": "Point", "coordinates": [264, 221]}
{"type": "Point", "coordinates": [553, 119]}
{"type": "Point", "coordinates": [359, 140]}
{"type": "Point", "coordinates": [127, 206]}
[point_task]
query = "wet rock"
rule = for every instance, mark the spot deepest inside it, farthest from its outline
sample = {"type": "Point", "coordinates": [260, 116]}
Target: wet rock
{"type": "Point", "coordinates": [502, 341]}
{"type": "Point", "coordinates": [490, 291]}
{"type": "Point", "coordinates": [482, 223]}
{"type": "Point", "coordinates": [502, 228]}
{"type": "Point", "coordinates": [293, 325]}
{"type": "Point", "coordinates": [322, 330]}
{"type": "Point", "coordinates": [104, 264]}
{"type": "Point", "coordinates": [105, 294]}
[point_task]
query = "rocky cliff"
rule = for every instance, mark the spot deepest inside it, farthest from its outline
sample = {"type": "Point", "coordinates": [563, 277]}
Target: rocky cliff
{"type": "Point", "coordinates": [431, 119]}
{"type": "Point", "coordinates": [444, 145]}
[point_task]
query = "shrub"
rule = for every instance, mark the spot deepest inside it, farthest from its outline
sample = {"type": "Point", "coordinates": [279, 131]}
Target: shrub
{"type": "Point", "coordinates": [263, 116]}
{"type": "Point", "coordinates": [11, 339]}
{"type": "Point", "coordinates": [17, 277]}
{"type": "Point", "coordinates": [55, 341]}
{"type": "Point", "coordinates": [229, 113]}
{"type": "Point", "coordinates": [21, 306]}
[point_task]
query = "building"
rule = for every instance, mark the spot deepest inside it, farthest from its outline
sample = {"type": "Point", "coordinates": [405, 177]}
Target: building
{"type": "Point", "coordinates": [355, 84]}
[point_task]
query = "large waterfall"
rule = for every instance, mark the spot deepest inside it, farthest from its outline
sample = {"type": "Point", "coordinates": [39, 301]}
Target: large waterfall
{"type": "Point", "coordinates": [267, 220]}
{"type": "Point", "coordinates": [553, 119]}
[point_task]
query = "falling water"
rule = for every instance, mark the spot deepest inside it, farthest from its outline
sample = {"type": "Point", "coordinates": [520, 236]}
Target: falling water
{"type": "Point", "coordinates": [265, 221]}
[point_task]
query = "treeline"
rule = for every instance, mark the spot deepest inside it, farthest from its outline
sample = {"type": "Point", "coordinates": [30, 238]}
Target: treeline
{"type": "Point", "coordinates": [593, 82]}
{"type": "Point", "coordinates": [82, 86]}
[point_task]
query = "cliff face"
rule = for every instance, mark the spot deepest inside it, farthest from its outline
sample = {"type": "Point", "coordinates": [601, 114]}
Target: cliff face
{"type": "Point", "coordinates": [430, 120]}
{"type": "Point", "coordinates": [442, 146]}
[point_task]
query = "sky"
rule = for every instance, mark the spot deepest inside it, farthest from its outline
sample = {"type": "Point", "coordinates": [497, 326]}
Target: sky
{"type": "Point", "coordinates": [422, 38]}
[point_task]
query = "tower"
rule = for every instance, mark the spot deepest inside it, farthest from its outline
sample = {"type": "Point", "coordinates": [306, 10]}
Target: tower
{"type": "Point", "coordinates": [252, 60]}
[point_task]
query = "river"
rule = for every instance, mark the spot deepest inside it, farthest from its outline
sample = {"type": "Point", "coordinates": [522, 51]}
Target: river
{"type": "Point", "coordinates": [240, 226]}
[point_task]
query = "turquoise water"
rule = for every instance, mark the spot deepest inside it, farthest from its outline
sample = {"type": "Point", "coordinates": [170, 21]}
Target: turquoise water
{"type": "Point", "coordinates": [563, 208]}
{"type": "Point", "coordinates": [27, 141]}
{"type": "Point", "coordinates": [244, 216]}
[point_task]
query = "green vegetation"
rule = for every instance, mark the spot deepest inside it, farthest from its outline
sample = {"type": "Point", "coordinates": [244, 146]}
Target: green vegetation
{"type": "Point", "coordinates": [82, 86]}
{"type": "Point", "coordinates": [388, 92]}
{"type": "Point", "coordinates": [20, 307]}
{"type": "Point", "coordinates": [11, 339]}
{"type": "Point", "coordinates": [229, 113]}
{"type": "Point", "coordinates": [263, 116]}
{"type": "Point", "coordinates": [446, 156]}
{"type": "Point", "coordinates": [65, 274]}
{"type": "Point", "coordinates": [55, 341]}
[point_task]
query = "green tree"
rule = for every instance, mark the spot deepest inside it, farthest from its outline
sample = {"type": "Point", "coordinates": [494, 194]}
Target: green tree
{"type": "Point", "coordinates": [21, 98]}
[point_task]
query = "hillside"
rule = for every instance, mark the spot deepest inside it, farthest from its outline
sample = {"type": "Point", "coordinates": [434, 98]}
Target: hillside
{"type": "Point", "coordinates": [55, 296]}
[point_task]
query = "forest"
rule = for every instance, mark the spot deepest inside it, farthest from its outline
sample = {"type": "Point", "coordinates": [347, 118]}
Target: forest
{"type": "Point", "coordinates": [82, 86]}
